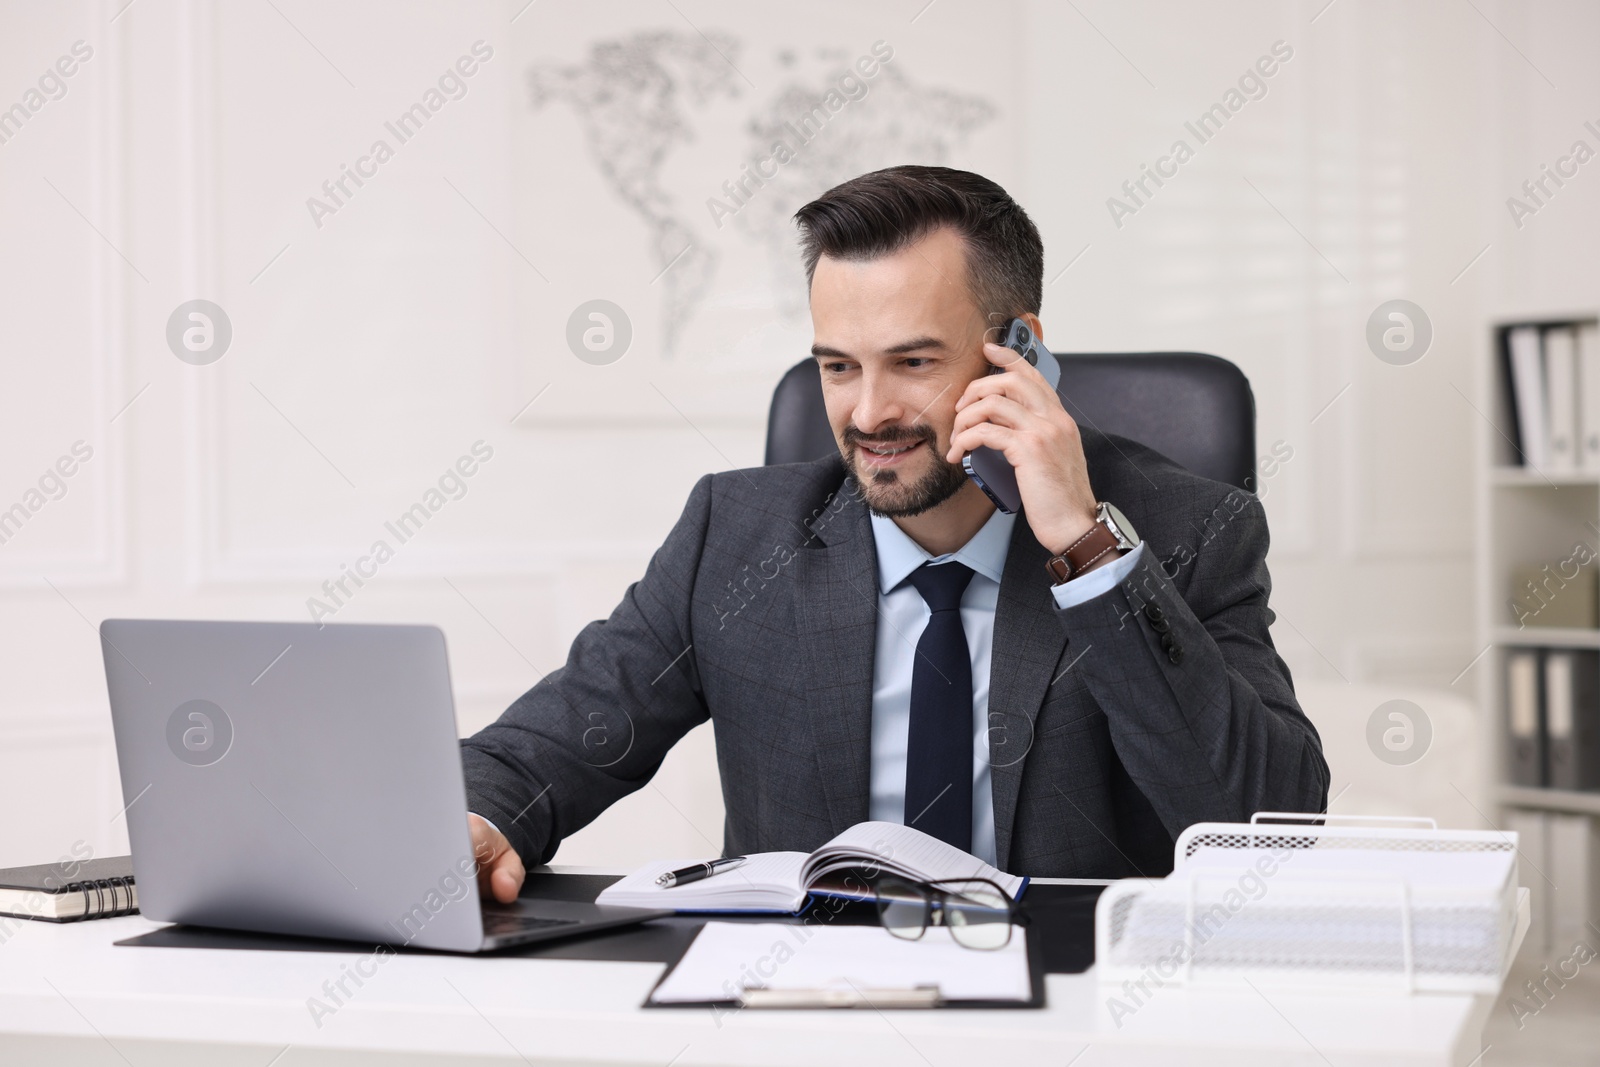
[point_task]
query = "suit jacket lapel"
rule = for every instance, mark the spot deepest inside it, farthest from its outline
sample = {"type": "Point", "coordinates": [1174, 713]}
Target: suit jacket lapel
{"type": "Point", "coordinates": [837, 626]}
{"type": "Point", "coordinates": [1028, 642]}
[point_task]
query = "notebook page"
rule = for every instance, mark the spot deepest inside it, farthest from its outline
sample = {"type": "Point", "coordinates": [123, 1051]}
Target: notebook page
{"type": "Point", "coordinates": [896, 846]}
{"type": "Point", "coordinates": [768, 880]}
{"type": "Point", "coordinates": [726, 957]}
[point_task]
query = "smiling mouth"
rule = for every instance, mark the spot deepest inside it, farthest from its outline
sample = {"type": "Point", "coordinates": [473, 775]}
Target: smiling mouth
{"type": "Point", "coordinates": [888, 453]}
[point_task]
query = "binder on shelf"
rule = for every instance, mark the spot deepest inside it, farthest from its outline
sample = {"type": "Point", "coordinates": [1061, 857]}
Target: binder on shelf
{"type": "Point", "coordinates": [1524, 736]}
{"type": "Point", "coordinates": [1588, 363]}
{"type": "Point", "coordinates": [1572, 718]}
{"type": "Point", "coordinates": [1561, 397]}
{"type": "Point", "coordinates": [1526, 366]}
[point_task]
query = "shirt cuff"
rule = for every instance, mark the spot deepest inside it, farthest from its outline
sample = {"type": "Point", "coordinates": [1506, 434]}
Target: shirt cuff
{"type": "Point", "coordinates": [492, 826]}
{"type": "Point", "coordinates": [1070, 594]}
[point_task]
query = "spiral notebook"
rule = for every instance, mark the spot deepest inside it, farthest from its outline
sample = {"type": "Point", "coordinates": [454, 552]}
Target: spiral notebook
{"type": "Point", "coordinates": [70, 890]}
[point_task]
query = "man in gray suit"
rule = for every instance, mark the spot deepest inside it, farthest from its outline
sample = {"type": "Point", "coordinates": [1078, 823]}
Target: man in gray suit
{"type": "Point", "coordinates": [1060, 691]}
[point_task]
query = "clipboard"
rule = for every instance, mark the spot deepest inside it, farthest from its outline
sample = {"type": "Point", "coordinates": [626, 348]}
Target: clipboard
{"type": "Point", "coordinates": [919, 996]}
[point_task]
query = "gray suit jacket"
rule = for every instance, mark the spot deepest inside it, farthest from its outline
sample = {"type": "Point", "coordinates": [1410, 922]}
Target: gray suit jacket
{"type": "Point", "coordinates": [1114, 724]}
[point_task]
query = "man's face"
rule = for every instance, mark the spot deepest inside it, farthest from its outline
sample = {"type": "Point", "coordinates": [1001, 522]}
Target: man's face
{"type": "Point", "coordinates": [897, 340]}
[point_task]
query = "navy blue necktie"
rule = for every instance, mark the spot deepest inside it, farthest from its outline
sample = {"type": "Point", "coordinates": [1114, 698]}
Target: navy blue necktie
{"type": "Point", "coordinates": [939, 742]}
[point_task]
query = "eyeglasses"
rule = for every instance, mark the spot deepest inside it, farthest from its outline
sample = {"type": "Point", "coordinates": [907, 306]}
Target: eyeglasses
{"type": "Point", "coordinates": [976, 911]}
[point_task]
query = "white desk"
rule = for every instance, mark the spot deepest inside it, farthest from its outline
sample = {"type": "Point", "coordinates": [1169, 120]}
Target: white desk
{"type": "Point", "coordinates": [69, 996]}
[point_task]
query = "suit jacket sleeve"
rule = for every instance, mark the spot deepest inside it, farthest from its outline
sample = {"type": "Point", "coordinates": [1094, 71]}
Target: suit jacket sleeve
{"type": "Point", "coordinates": [1216, 735]}
{"type": "Point", "coordinates": [597, 728]}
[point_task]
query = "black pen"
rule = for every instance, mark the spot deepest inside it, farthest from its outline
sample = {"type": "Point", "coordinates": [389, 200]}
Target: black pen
{"type": "Point", "coordinates": [698, 871]}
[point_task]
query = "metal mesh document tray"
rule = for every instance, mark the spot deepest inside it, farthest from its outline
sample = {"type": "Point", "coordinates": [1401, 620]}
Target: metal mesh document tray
{"type": "Point", "coordinates": [1304, 902]}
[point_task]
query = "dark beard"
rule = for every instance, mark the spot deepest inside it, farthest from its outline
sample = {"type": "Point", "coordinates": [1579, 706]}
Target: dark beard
{"type": "Point", "coordinates": [887, 495]}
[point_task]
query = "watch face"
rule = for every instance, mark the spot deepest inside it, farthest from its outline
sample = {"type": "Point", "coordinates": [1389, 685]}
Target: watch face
{"type": "Point", "coordinates": [1120, 526]}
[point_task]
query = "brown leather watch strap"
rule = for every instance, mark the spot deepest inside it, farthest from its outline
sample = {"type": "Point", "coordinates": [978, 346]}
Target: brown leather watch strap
{"type": "Point", "coordinates": [1081, 553]}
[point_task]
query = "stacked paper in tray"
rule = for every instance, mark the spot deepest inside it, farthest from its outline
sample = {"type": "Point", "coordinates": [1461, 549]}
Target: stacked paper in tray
{"type": "Point", "coordinates": [1318, 905]}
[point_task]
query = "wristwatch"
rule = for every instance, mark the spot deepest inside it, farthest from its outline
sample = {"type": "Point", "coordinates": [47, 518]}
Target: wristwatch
{"type": "Point", "coordinates": [1111, 532]}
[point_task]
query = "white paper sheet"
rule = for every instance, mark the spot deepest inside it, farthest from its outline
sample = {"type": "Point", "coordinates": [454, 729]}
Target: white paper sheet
{"type": "Point", "coordinates": [726, 958]}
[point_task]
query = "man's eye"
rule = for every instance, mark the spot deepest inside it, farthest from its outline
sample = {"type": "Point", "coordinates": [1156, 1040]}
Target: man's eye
{"type": "Point", "coordinates": [835, 368]}
{"type": "Point", "coordinates": [915, 361]}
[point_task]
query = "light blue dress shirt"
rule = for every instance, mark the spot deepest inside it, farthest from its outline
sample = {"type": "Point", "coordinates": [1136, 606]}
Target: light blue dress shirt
{"type": "Point", "coordinates": [903, 615]}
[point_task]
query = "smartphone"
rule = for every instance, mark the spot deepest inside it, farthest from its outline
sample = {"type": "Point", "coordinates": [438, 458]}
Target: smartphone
{"type": "Point", "coordinates": [988, 466]}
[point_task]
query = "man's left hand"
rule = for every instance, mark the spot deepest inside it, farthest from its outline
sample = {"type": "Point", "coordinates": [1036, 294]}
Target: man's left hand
{"type": "Point", "coordinates": [1019, 414]}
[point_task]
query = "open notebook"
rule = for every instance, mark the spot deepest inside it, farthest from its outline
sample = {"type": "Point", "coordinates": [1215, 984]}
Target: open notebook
{"type": "Point", "coordinates": [781, 881]}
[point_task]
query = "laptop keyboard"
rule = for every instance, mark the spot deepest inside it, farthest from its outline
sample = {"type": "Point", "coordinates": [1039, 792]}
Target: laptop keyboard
{"type": "Point", "coordinates": [500, 924]}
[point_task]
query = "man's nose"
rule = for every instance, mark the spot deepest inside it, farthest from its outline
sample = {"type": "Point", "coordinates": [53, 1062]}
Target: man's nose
{"type": "Point", "coordinates": [877, 405]}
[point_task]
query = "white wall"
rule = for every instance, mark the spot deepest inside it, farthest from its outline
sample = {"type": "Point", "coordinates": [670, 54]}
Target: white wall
{"type": "Point", "coordinates": [424, 314]}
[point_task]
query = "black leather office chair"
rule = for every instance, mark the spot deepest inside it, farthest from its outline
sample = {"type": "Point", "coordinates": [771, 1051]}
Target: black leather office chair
{"type": "Point", "coordinates": [1195, 409]}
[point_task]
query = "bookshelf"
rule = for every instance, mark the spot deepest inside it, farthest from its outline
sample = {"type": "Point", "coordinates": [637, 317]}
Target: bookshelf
{"type": "Point", "coordinates": [1521, 477]}
{"type": "Point", "coordinates": [1519, 796]}
{"type": "Point", "coordinates": [1546, 637]}
{"type": "Point", "coordinates": [1527, 518]}
{"type": "Point", "coordinates": [1530, 519]}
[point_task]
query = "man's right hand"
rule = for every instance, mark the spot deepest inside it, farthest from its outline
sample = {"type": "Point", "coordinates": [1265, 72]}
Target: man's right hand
{"type": "Point", "coordinates": [500, 870]}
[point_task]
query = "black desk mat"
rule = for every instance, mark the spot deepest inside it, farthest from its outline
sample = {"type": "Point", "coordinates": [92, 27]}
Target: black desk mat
{"type": "Point", "coordinates": [1064, 914]}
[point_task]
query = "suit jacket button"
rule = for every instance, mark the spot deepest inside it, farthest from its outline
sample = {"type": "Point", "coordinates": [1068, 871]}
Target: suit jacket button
{"type": "Point", "coordinates": [1175, 654]}
{"type": "Point", "coordinates": [1153, 612]}
{"type": "Point", "coordinates": [1161, 626]}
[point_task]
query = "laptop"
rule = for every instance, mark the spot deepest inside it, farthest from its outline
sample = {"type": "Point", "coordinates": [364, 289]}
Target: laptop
{"type": "Point", "coordinates": [305, 779]}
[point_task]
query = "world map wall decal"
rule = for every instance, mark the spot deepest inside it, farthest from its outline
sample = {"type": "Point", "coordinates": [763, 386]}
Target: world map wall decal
{"type": "Point", "coordinates": [823, 115]}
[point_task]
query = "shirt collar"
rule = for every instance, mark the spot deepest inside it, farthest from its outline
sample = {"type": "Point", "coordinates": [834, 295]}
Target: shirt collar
{"type": "Point", "coordinates": [899, 555]}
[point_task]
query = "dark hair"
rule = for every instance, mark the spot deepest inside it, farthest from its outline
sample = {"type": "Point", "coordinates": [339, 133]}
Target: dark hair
{"type": "Point", "coordinates": [882, 212]}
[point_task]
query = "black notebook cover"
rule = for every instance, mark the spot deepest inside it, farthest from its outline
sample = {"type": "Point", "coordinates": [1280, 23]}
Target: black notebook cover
{"type": "Point", "coordinates": [106, 886]}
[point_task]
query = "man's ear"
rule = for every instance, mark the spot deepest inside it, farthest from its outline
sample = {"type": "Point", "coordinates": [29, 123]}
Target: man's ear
{"type": "Point", "coordinates": [1034, 324]}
